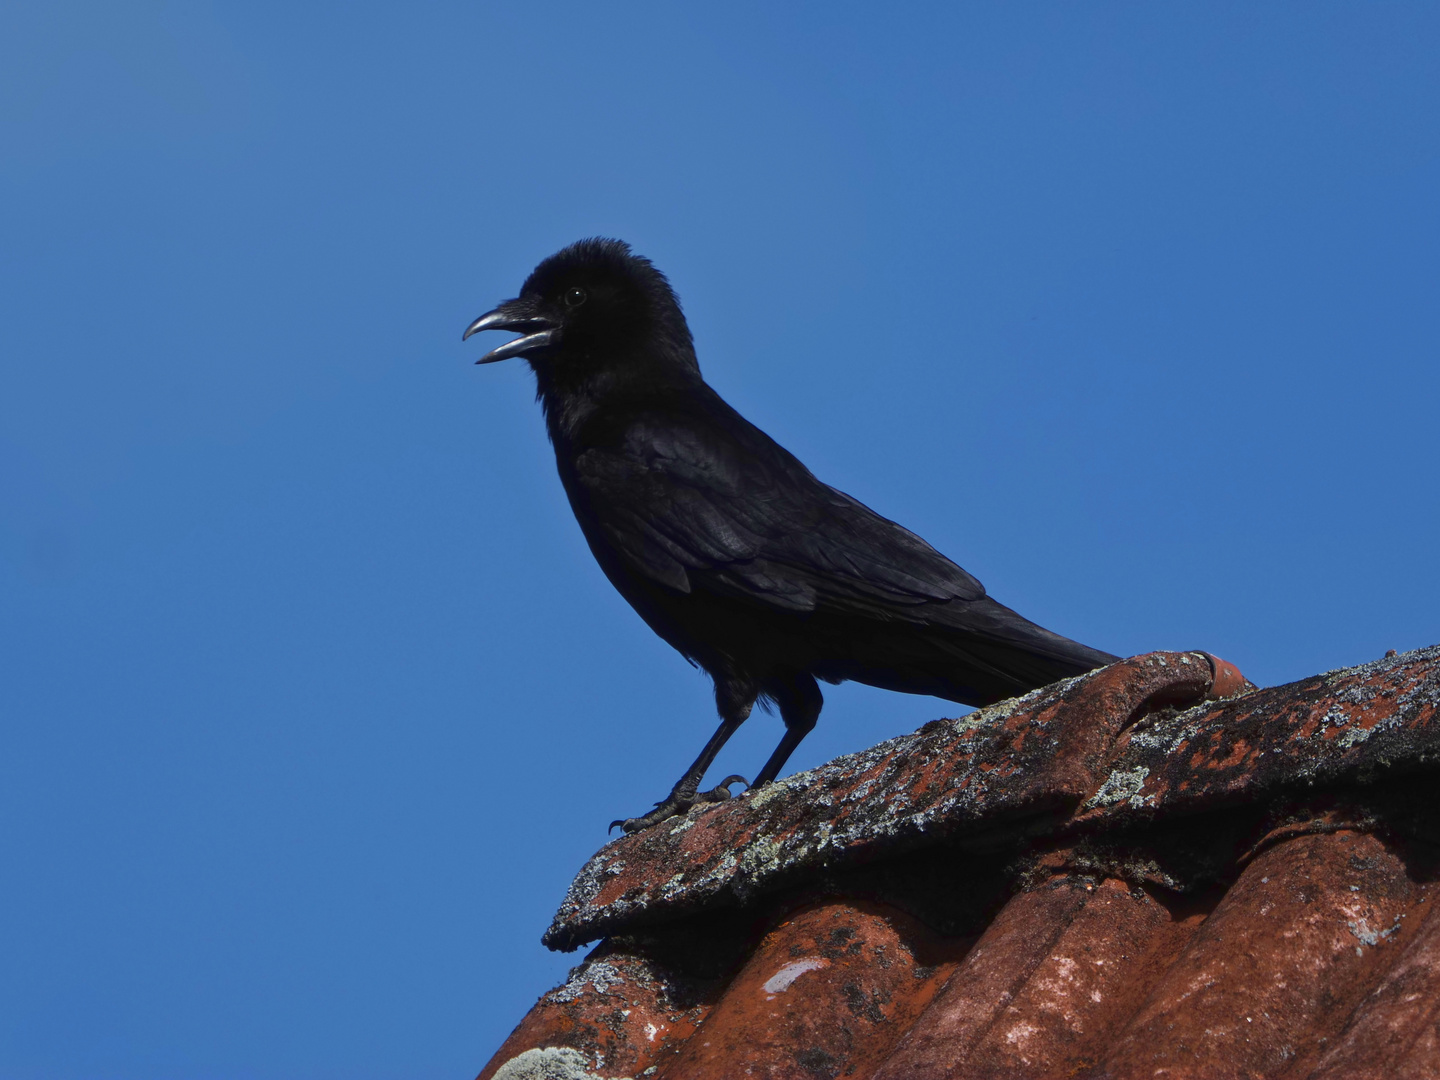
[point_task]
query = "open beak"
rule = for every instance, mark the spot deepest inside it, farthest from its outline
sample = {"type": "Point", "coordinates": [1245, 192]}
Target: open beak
{"type": "Point", "coordinates": [518, 317]}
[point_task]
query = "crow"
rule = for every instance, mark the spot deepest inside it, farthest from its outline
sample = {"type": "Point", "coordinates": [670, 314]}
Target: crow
{"type": "Point", "coordinates": [724, 543]}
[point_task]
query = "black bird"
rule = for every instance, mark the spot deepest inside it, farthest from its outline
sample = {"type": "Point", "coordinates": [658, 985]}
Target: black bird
{"type": "Point", "coordinates": [724, 542]}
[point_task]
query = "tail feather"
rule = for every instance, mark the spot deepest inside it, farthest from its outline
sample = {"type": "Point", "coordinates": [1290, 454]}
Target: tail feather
{"type": "Point", "coordinates": [1017, 654]}
{"type": "Point", "coordinates": [974, 652]}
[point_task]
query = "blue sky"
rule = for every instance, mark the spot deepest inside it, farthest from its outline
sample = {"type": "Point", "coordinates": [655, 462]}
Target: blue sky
{"type": "Point", "coordinates": [312, 698]}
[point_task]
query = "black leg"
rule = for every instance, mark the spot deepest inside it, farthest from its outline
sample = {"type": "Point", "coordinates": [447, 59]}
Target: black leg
{"type": "Point", "coordinates": [800, 702]}
{"type": "Point", "coordinates": [734, 709]}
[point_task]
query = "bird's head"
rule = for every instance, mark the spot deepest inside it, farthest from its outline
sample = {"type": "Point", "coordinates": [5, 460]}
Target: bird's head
{"type": "Point", "coordinates": [594, 304]}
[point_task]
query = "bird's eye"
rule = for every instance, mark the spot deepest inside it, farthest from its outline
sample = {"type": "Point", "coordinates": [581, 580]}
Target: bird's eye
{"type": "Point", "coordinates": [574, 297]}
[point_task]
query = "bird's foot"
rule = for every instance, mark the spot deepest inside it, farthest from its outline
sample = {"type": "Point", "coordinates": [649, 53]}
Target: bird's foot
{"type": "Point", "coordinates": [678, 802]}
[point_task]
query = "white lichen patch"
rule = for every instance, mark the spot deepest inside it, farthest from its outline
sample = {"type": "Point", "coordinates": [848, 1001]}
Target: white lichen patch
{"type": "Point", "coordinates": [599, 975]}
{"type": "Point", "coordinates": [779, 789]}
{"type": "Point", "coordinates": [1353, 736]}
{"type": "Point", "coordinates": [1021, 1033]}
{"type": "Point", "coordinates": [547, 1063]}
{"type": "Point", "coordinates": [1364, 934]}
{"type": "Point", "coordinates": [764, 854]}
{"type": "Point", "coordinates": [1123, 785]}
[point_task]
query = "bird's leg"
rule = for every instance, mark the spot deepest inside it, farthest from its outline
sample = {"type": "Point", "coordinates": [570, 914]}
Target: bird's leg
{"type": "Point", "coordinates": [733, 712]}
{"type": "Point", "coordinates": [800, 702]}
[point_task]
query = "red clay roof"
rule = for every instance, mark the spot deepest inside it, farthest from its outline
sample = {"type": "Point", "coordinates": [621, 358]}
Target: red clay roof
{"type": "Point", "coordinates": [1115, 876]}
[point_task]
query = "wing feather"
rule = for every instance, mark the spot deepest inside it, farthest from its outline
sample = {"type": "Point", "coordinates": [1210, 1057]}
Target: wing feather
{"type": "Point", "coordinates": [691, 506]}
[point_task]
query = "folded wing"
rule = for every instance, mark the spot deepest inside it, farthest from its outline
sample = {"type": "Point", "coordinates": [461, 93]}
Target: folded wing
{"type": "Point", "coordinates": [693, 507]}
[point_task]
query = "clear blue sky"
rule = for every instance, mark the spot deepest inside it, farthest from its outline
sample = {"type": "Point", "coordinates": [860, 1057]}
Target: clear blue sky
{"type": "Point", "coordinates": [313, 699]}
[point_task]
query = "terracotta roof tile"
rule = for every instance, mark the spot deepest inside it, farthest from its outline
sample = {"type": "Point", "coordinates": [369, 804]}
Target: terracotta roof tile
{"type": "Point", "coordinates": [830, 989]}
{"type": "Point", "coordinates": [1116, 876]}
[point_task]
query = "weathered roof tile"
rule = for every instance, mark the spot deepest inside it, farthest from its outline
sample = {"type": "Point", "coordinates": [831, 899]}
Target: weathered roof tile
{"type": "Point", "coordinates": [1013, 761]}
{"type": "Point", "coordinates": [1111, 877]}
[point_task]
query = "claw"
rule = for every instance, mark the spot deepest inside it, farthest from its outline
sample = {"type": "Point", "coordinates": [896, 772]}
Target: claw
{"type": "Point", "coordinates": [721, 791]}
{"type": "Point", "coordinates": [667, 808]}
{"type": "Point", "coordinates": [676, 804]}
{"type": "Point", "coordinates": [635, 824]}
